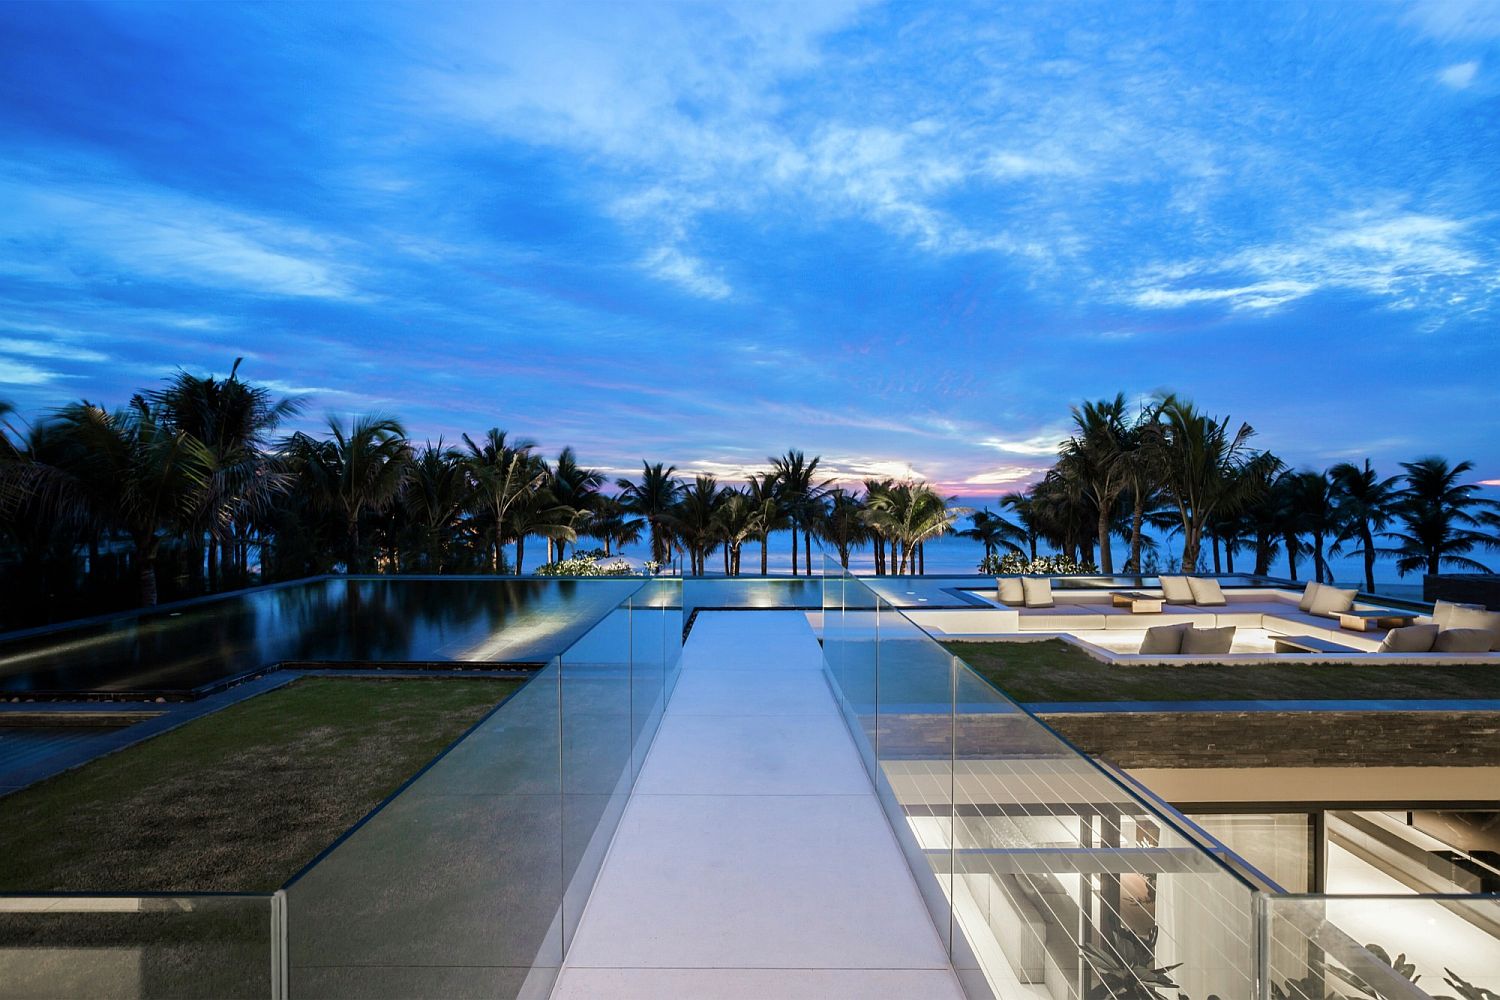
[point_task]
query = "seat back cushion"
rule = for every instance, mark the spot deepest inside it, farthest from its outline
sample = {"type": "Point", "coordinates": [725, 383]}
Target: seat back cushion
{"type": "Point", "coordinates": [1442, 612]}
{"type": "Point", "coordinates": [1208, 640]}
{"type": "Point", "coordinates": [1011, 591]}
{"type": "Point", "coordinates": [1309, 594]}
{"type": "Point", "coordinates": [1038, 591]}
{"type": "Point", "coordinates": [1164, 639]}
{"type": "Point", "coordinates": [1331, 601]}
{"type": "Point", "coordinates": [1462, 640]}
{"type": "Point", "coordinates": [1411, 639]}
{"type": "Point", "coordinates": [1175, 590]}
{"type": "Point", "coordinates": [1472, 618]}
{"type": "Point", "coordinates": [1206, 593]}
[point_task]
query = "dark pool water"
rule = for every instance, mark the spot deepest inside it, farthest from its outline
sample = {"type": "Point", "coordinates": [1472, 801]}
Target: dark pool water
{"type": "Point", "coordinates": [337, 620]}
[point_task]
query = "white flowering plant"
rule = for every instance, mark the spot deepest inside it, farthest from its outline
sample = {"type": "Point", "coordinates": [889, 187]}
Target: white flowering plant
{"type": "Point", "coordinates": [588, 562]}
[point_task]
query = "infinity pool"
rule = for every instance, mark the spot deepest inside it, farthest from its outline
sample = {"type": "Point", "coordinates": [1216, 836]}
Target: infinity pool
{"type": "Point", "coordinates": [329, 620]}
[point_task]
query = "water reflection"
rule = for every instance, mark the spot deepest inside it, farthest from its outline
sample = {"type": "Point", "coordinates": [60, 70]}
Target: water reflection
{"type": "Point", "coordinates": [331, 620]}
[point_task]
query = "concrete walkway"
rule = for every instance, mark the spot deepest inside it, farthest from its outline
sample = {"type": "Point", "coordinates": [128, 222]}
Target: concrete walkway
{"type": "Point", "coordinates": [753, 859]}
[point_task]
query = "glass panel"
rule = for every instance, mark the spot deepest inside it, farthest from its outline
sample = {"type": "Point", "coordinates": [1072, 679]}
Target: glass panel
{"type": "Point", "coordinates": [140, 946]}
{"type": "Point", "coordinates": [1346, 946]}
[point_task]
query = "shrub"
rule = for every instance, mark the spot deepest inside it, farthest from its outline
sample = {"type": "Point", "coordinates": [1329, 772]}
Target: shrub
{"type": "Point", "coordinates": [1015, 564]}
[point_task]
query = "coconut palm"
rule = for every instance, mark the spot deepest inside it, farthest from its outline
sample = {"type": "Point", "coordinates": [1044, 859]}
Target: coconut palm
{"type": "Point", "coordinates": [654, 498]}
{"type": "Point", "coordinates": [610, 523]}
{"type": "Point", "coordinates": [844, 524]}
{"type": "Point", "coordinates": [356, 471]}
{"type": "Point", "coordinates": [235, 420]}
{"type": "Point", "coordinates": [1442, 519]}
{"type": "Point", "coordinates": [503, 473]}
{"type": "Point", "coordinates": [1097, 453]}
{"type": "Point", "coordinates": [800, 493]}
{"type": "Point", "coordinates": [137, 474]}
{"type": "Point", "coordinates": [994, 533]}
{"type": "Point", "coordinates": [1366, 506]}
{"type": "Point", "coordinates": [576, 488]}
{"type": "Point", "coordinates": [1203, 462]}
{"type": "Point", "coordinates": [735, 523]}
{"type": "Point", "coordinates": [1315, 514]}
{"type": "Point", "coordinates": [766, 513]}
{"type": "Point", "coordinates": [1026, 518]}
{"type": "Point", "coordinates": [908, 514]}
{"type": "Point", "coordinates": [537, 513]}
{"type": "Point", "coordinates": [433, 502]}
{"type": "Point", "coordinates": [696, 520]}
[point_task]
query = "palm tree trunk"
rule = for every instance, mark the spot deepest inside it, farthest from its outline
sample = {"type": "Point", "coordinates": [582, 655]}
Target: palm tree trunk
{"type": "Point", "coordinates": [145, 562]}
{"type": "Point", "coordinates": [764, 547]}
{"type": "Point", "coordinates": [1217, 567]}
{"type": "Point", "coordinates": [794, 548]}
{"type": "Point", "coordinates": [520, 555]}
{"type": "Point", "coordinates": [1368, 538]}
{"type": "Point", "coordinates": [1137, 519]}
{"type": "Point", "coordinates": [807, 550]}
{"type": "Point", "coordinates": [921, 558]}
{"type": "Point", "coordinates": [213, 564]}
{"type": "Point", "coordinates": [1106, 555]}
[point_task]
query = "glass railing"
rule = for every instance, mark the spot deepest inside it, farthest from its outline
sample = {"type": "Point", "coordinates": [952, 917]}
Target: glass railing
{"type": "Point", "coordinates": [1048, 875]}
{"type": "Point", "coordinates": [152, 945]}
{"type": "Point", "coordinates": [474, 878]}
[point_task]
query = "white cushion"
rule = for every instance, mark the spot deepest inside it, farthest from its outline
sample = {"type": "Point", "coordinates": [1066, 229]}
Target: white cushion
{"type": "Point", "coordinates": [1208, 640]}
{"type": "Point", "coordinates": [1038, 591]}
{"type": "Point", "coordinates": [1011, 591]}
{"type": "Point", "coordinates": [1309, 594]}
{"type": "Point", "coordinates": [1206, 593]}
{"type": "Point", "coordinates": [1411, 639]}
{"type": "Point", "coordinates": [1462, 640]}
{"type": "Point", "coordinates": [1176, 590]}
{"type": "Point", "coordinates": [1331, 601]}
{"type": "Point", "coordinates": [1471, 618]}
{"type": "Point", "coordinates": [1442, 612]}
{"type": "Point", "coordinates": [1164, 639]}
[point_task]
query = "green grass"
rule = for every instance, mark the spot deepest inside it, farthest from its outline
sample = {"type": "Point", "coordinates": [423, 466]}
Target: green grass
{"type": "Point", "coordinates": [238, 800]}
{"type": "Point", "coordinates": [1051, 670]}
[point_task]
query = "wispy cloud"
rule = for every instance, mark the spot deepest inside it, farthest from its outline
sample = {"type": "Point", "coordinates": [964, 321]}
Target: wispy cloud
{"type": "Point", "coordinates": [1044, 443]}
{"type": "Point", "coordinates": [1460, 76]}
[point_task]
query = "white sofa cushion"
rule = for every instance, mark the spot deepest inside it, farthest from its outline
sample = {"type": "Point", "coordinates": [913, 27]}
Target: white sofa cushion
{"type": "Point", "coordinates": [1208, 640]}
{"type": "Point", "coordinates": [1164, 639]}
{"type": "Point", "coordinates": [1309, 594]}
{"type": "Point", "coordinates": [1038, 591]}
{"type": "Point", "coordinates": [1472, 618]}
{"type": "Point", "coordinates": [1411, 639]}
{"type": "Point", "coordinates": [1331, 601]}
{"type": "Point", "coordinates": [1206, 593]}
{"type": "Point", "coordinates": [1011, 590]}
{"type": "Point", "coordinates": [1442, 612]}
{"type": "Point", "coordinates": [1462, 640]}
{"type": "Point", "coordinates": [1176, 590]}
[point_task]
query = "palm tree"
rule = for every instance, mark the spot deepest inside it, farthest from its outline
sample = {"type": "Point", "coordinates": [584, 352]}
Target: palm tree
{"type": "Point", "coordinates": [1442, 519]}
{"type": "Point", "coordinates": [136, 473]}
{"type": "Point", "coordinates": [654, 498]}
{"type": "Point", "coordinates": [433, 502]}
{"type": "Point", "coordinates": [800, 497]}
{"type": "Point", "coordinates": [1097, 454]}
{"type": "Point", "coordinates": [235, 420]}
{"type": "Point", "coordinates": [766, 513]}
{"type": "Point", "coordinates": [696, 517]}
{"type": "Point", "coordinates": [1366, 505]}
{"type": "Point", "coordinates": [844, 524]}
{"type": "Point", "coordinates": [1026, 516]}
{"type": "Point", "coordinates": [356, 471]}
{"type": "Point", "coordinates": [537, 512]}
{"type": "Point", "coordinates": [1202, 468]}
{"type": "Point", "coordinates": [610, 524]}
{"type": "Point", "coordinates": [735, 522]}
{"type": "Point", "coordinates": [503, 473]}
{"type": "Point", "coordinates": [994, 533]}
{"type": "Point", "coordinates": [575, 488]}
{"type": "Point", "coordinates": [1316, 515]}
{"type": "Point", "coordinates": [908, 514]}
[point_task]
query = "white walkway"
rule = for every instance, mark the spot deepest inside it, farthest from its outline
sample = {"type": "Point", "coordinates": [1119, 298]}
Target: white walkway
{"type": "Point", "coordinates": [753, 859]}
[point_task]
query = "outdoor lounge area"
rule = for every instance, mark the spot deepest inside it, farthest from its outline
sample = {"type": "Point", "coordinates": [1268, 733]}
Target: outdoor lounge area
{"type": "Point", "coordinates": [1246, 624]}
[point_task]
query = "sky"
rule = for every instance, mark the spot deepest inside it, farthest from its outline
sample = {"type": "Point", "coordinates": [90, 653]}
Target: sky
{"type": "Point", "coordinates": [903, 237]}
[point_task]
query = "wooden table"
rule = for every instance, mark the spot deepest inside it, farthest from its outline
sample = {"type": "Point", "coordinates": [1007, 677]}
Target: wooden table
{"type": "Point", "coordinates": [1140, 604]}
{"type": "Point", "coordinates": [1364, 621]}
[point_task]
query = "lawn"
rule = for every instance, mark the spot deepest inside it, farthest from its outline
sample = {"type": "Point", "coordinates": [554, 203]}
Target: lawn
{"type": "Point", "coordinates": [1050, 671]}
{"type": "Point", "coordinates": [239, 800]}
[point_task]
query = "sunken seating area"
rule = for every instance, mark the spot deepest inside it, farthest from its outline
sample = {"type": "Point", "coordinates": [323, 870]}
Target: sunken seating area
{"type": "Point", "coordinates": [1272, 623]}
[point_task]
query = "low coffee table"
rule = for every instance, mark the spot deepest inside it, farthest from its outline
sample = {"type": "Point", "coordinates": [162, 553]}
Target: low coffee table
{"type": "Point", "coordinates": [1364, 621]}
{"type": "Point", "coordinates": [1139, 604]}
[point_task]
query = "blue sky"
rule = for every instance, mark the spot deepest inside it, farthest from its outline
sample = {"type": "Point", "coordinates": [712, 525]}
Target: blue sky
{"type": "Point", "coordinates": [902, 237]}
